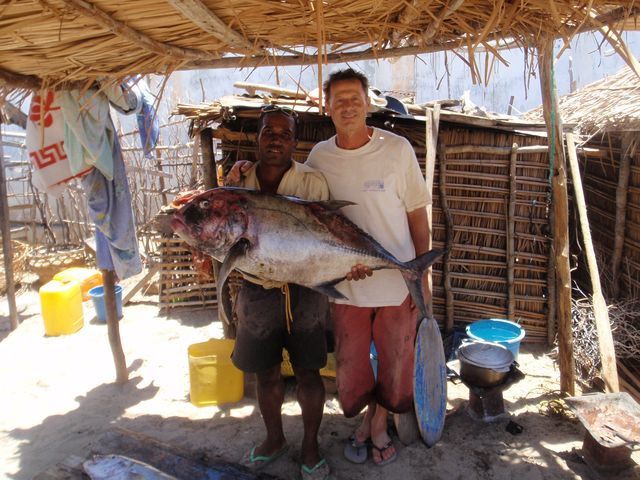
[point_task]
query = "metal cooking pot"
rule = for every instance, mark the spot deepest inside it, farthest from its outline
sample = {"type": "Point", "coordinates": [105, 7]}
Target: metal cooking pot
{"type": "Point", "coordinates": [484, 364]}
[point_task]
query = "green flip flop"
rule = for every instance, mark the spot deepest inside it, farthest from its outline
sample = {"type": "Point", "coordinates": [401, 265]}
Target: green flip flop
{"type": "Point", "coordinates": [320, 471]}
{"type": "Point", "coordinates": [260, 461]}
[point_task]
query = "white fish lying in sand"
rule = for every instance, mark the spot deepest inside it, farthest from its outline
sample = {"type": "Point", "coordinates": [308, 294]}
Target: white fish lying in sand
{"type": "Point", "coordinates": [118, 467]}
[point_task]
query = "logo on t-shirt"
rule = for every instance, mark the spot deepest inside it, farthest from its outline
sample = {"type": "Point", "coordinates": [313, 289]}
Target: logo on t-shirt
{"type": "Point", "coordinates": [373, 186]}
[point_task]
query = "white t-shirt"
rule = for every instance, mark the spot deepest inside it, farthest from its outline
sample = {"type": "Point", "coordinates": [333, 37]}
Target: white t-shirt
{"type": "Point", "coordinates": [384, 180]}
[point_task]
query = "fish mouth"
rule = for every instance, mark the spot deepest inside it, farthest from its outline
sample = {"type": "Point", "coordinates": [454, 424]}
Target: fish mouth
{"type": "Point", "coordinates": [178, 225]}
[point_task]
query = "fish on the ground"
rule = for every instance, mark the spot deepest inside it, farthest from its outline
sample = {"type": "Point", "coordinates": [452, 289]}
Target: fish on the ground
{"type": "Point", "coordinates": [288, 240]}
{"type": "Point", "coordinates": [118, 467]}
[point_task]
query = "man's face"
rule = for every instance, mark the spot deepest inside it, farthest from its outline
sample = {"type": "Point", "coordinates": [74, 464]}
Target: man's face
{"type": "Point", "coordinates": [347, 105]}
{"type": "Point", "coordinates": [277, 139]}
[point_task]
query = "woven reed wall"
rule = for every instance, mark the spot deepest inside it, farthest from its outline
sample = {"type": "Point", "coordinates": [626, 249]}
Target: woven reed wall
{"type": "Point", "coordinates": [601, 170]}
{"type": "Point", "coordinates": [477, 189]}
{"type": "Point", "coordinates": [181, 285]}
{"type": "Point", "coordinates": [477, 194]}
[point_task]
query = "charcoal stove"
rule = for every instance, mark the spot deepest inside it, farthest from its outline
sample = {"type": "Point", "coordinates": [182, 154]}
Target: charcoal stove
{"type": "Point", "coordinates": [612, 424]}
{"type": "Point", "coordinates": [487, 403]}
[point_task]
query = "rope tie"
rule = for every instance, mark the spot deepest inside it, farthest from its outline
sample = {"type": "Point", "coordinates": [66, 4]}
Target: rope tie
{"type": "Point", "coordinates": [288, 315]}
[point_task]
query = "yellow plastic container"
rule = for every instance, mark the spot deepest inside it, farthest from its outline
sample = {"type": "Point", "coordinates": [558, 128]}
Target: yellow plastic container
{"type": "Point", "coordinates": [61, 304]}
{"type": "Point", "coordinates": [329, 370]}
{"type": "Point", "coordinates": [86, 277]}
{"type": "Point", "coordinates": [214, 380]}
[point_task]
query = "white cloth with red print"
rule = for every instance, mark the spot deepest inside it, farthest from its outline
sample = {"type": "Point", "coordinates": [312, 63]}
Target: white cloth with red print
{"type": "Point", "coordinates": [45, 144]}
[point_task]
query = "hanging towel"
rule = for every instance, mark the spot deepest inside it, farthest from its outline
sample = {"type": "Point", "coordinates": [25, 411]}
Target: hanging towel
{"type": "Point", "coordinates": [46, 146]}
{"type": "Point", "coordinates": [89, 132]}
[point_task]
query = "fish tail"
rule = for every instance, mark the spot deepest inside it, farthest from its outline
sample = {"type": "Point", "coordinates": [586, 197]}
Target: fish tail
{"type": "Point", "coordinates": [413, 274]}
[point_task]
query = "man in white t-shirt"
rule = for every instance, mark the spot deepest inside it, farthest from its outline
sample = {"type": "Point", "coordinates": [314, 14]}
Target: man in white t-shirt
{"type": "Point", "coordinates": [377, 171]}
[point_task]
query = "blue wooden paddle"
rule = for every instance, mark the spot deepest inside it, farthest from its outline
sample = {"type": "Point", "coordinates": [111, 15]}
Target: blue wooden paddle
{"type": "Point", "coordinates": [429, 382]}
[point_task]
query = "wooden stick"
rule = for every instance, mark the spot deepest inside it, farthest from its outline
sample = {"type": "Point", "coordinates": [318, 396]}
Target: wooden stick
{"type": "Point", "coordinates": [622, 191]}
{"type": "Point", "coordinates": [432, 125]}
{"type": "Point", "coordinates": [511, 233]}
{"type": "Point", "coordinates": [603, 324]}
{"type": "Point", "coordinates": [319, 33]}
{"type": "Point", "coordinates": [6, 244]}
{"type": "Point", "coordinates": [448, 239]}
{"type": "Point", "coordinates": [561, 216]}
{"type": "Point", "coordinates": [113, 327]}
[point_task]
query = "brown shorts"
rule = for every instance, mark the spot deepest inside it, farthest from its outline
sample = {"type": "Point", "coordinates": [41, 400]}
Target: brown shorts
{"type": "Point", "coordinates": [262, 328]}
{"type": "Point", "coordinates": [393, 330]}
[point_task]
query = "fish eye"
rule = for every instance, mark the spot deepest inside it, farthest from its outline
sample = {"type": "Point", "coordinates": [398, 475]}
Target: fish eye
{"type": "Point", "coordinates": [204, 204]}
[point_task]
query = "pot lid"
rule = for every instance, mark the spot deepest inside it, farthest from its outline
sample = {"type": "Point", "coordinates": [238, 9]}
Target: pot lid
{"type": "Point", "coordinates": [486, 355]}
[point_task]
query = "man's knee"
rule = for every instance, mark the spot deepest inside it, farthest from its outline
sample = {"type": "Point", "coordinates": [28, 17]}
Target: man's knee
{"type": "Point", "coordinates": [269, 377]}
{"type": "Point", "coordinates": [307, 378]}
{"type": "Point", "coordinates": [395, 403]}
{"type": "Point", "coordinates": [353, 405]}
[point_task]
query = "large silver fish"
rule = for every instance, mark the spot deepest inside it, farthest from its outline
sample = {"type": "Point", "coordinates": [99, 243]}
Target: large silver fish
{"type": "Point", "coordinates": [285, 239]}
{"type": "Point", "coordinates": [118, 467]}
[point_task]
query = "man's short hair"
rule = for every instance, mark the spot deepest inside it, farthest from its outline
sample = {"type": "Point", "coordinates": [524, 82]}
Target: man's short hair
{"type": "Point", "coordinates": [346, 74]}
{"type": "Point", "coordinates": [277, 109]}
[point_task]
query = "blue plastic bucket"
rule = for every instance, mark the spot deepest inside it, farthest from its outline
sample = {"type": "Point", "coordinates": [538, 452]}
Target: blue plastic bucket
{"type": "Point", "coordinates": [97, 296]}
{"type": "Point", "coordinates": [504, 332]}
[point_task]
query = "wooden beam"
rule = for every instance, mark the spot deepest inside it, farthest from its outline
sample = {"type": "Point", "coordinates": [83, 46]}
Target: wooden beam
{"type": "Point", "coordinates": [209, 173]}
{"type": "Point", "coordinates": [448, 221]}
{"type": "Point", "coordinates": [560, 204]}
{"type": "Point", "coordinates": [137, 38]}
{"type": "Point", "coordinates": [252, 88]}
{"type": "Point", "coordinates": [13, 115]}
{"type": "Point", "coordinates": [432, 125]}
{"type": "Point", "coordinates": [113, 327]}
{"type": "Point", "coordinates": [303, 59]}
{"type": "Point", "coordinates": [511, 234]}
{"type": "Point", "coordinates": [5, 224]}
{"type": "Point", "coordinates": [603, 324]}
{"type": "Point", "coordinates": [203, 17]}
{"type": "Point", "coordinates": [622, 192]}
{"type": "Point", "coordinates": [434, 26]}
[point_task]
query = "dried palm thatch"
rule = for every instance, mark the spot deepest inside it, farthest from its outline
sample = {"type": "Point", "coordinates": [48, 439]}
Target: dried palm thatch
{"type": "Point", "coordinates": [610, 104]}
{"type": "Point", "coordinates": [77, 40]}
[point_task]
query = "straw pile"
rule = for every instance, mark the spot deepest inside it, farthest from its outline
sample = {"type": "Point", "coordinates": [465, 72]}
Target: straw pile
{"type": "Point", "coordinates": [610, 104]}
{"type": "Point", "coordinates": [477, 191]}
{"type": "Point", "coordinates": [75, 40]}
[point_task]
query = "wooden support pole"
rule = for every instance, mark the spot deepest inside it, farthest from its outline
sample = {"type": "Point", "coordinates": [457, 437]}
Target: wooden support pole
{"type": "Point", "coordinates": [603, 324]}
{"type": "Point", "coordinates": [5, 224]}
{"type": "Point", "coordinates": [560, 205]}
{"type": "Point", "coordinates": [209, 173]}
{"type": "Point", "coordinates": [113, 327]}
{"type": "Point", "coordinates": [431, 146]}
{"type": "Point", "coordinates": [448, 221]}
{"type": "Point", "coordinates": [622, 192]}
{"type": "Point", "coordinates": [511, 234]}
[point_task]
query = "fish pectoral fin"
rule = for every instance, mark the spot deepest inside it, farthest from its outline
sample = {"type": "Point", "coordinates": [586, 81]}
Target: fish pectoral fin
{"type": "Point", "coordinates": [335, 205]}
{"type": "Point", "coordinates": [237, 251]}
{"type": "Point", "coordinates": [329, 289]}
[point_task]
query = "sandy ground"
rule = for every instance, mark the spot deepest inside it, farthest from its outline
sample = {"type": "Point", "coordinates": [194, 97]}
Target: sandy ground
{"type": "Point", "coordinates": [58, 396]}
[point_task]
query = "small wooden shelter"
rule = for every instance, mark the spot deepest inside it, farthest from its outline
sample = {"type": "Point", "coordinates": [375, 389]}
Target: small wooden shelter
{"type": "Point", "coordinates": [606, 115]}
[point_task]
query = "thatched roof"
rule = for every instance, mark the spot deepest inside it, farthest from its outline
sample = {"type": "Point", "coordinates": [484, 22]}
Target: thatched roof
{"type": "Point", "coordinates": [80, 40]}
{"type": "Point", "coordinates": [610, 104]}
